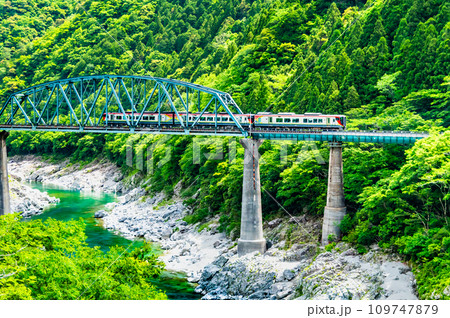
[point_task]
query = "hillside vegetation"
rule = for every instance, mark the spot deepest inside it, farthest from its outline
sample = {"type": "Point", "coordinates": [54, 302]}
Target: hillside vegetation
{"type": "Point", "coordinates": [385, 64]}
{"type": "Point", "coordinates": [51, 260]}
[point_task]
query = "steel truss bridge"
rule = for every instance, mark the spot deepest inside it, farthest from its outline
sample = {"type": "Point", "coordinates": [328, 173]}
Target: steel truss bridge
{"type": "Point", "coordinates": [80, 104]}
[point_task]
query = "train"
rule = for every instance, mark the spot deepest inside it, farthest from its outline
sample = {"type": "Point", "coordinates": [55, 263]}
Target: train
{"type": "Point", "coordinates": [259, 121]}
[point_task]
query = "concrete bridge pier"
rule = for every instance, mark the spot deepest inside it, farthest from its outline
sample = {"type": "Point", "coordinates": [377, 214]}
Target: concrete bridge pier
{"type": "Point", "coordinates": [4, 186]}
{"type": "Point", "coordinates": [335, 209]}
{"type": "Point", "coordinates": [251, 237]}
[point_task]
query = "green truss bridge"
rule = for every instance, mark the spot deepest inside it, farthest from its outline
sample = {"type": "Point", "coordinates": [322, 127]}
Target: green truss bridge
{"type": "Point", "coordinates": [80, 104]}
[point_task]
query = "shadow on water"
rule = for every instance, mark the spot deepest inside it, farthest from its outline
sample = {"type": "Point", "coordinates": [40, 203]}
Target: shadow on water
{"type": "Point", "coordinates": [75, 205]}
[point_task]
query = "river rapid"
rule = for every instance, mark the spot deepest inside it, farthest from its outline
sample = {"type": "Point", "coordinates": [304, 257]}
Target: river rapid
{"type": "Point", "coordinates": [76, 204]}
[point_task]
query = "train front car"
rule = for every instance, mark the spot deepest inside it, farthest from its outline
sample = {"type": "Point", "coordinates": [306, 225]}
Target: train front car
{"type": "Point", "coordinates": [292, 121]}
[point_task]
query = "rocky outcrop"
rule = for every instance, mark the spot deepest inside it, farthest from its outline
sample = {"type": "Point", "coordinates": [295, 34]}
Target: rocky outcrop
{"type": "Point", "coordinates": [347, 275]}
{"type": "Point", "coordinates": [96, 176]}
{"type": "Point", "coordinates": [186, 249]}
{"type": "Point", "coordinates": [301, 273]}
{"type": "Point", "coordinates": [28, 201]}
{"type": "Point", "coordinates": [252, 276]}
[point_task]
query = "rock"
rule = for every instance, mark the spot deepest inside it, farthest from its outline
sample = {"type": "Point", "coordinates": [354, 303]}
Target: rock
{"type": "Point", "coordinates": [282, 294]}
{"type": "Point", "coordinates": [300, 252]}
{"type": "Point", "coordinates": [194, 279]}
{"type": "Point", "coordinates": [100, 214]}
{"type": "Point", "coordinates": [28, 201]}
{"type": "Point", "coordinates": [350, 252]}
{"type": "Point", "coordinates": [217, 244]}
{"type": "Point", "coordinates": [220, 261]}
{"type": "Point", "coordinates": [198, 289]}
{"type": "Point", "coordinates": [185, 251]}
{"type": "Point", "coordinates": [274, 223]}
{"type": "Point", "coordinates": [209, 271]}
{"type": "Point", "coordinates": [446, 291]}
{"type": "Point", "coordinates": [288, 274]}
{"type": "Point", "coordinates": [280, 245]}
{"type": "Point", "coordinates": [298, 220]}
{"type": "Point", "coordinates": [219, 294]}
{"type": "Point", "coordinates": [213, 228]}
{"type": "Point", "coordinates": [166, 232]}
{"type": "Point", "coordinates": [263, 294]}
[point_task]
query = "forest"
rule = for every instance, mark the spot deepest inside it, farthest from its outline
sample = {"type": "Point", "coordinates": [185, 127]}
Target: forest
{"type": "Point", "coordinates": [384, 64]}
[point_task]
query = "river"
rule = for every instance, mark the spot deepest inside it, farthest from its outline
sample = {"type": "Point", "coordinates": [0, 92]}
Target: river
{"type": "Point", "coordinates": [76, 204]}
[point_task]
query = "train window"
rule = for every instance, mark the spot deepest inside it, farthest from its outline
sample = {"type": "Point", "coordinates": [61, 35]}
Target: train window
{"type": "Point", "coordinates": [152, 117]}
{"type": "Point", "coordinates": [320, 120]}
{"type": "Point", "coordinates": [309, 120]}
{"type": "Point", "coordinates": [287, 120]}
{"type": "Point", "coordinates": [145, 118]}
{"type": "Point", "coordinates": [305, 120]}
{"type": "Point", "coordinates": [279, 120]}
{"type": "Point", "coordinates": [315, 120]}
{"type": "Point", "coordinates": [202, 119]}
{"type": "Point", "coordinates": [295, 120]}
{"type": "Point", "coordinates": [118, 117]}
{"type": "Point", "coordinates": [270, 119]}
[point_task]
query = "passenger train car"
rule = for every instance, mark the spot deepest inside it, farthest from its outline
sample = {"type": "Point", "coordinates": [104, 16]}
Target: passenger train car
{"type": "Point", "coordinates": [260, 121]}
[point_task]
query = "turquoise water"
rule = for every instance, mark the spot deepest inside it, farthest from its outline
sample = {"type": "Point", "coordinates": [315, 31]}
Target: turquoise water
{"type": "Point", "coordinates": [76, 204]}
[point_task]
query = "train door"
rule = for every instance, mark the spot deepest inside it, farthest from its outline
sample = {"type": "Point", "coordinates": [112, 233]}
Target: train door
{"type": "Point", "coordinates": [344, 121]}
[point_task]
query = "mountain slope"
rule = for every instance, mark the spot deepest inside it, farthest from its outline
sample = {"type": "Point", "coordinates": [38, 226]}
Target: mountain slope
{"type": "Point", "coordinates": [384, 64]}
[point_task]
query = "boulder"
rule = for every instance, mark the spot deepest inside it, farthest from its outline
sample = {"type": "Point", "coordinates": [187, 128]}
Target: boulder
{"type": "Point", "coordinates": [262, 294]}
{"type": "Point", "coordinates": [220, 261]}
{"type": "Point", "coordinates": [100, 214]}
{"type": "Point", "coordinates": [274, 223]}
{"type": "Point", "coordinates": [209, 271]}
{"type": "Point", "coordinates": [288, 274]}
{"type": "Point", "coordinates": [300, 252]}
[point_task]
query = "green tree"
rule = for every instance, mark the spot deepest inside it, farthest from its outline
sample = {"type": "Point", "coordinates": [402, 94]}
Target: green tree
{"type": "Point", "coordinates": [51, 260]}
{"type": "Point", "coordinates": [352, 100]}
{"type": "Point", "coordinates": [386, 85]}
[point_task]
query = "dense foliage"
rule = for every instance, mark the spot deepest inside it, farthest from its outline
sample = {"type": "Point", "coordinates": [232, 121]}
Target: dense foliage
{"type": "Point", "coordinates": [51, 260]}
{"type": "Point", "coordinates": [385, 64]}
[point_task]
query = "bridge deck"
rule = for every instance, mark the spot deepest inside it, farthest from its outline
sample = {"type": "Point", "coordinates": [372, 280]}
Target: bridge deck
{"type": "Point", "coordinates": [396, 137]}
{"type": "Point", "coordinates": [389, 137]}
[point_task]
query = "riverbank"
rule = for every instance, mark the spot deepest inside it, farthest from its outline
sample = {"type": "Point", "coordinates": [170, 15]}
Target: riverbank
{"type": "Point", "coordinates": [288, 270]}
{"type": "Point", "coordinates": [26, 200]}
{"type": "Point", "coordinates": [96, 176]}
{"type": "Point", "coordinates": [295, 267]}
{"type": "Point", "coordinates": [160, 221]}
